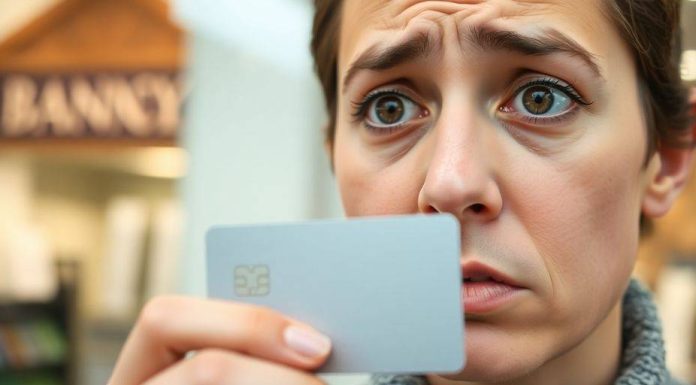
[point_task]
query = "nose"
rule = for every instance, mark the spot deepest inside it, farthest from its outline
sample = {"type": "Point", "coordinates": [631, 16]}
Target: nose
{"type": "Point", "coordinates": [461, 178]}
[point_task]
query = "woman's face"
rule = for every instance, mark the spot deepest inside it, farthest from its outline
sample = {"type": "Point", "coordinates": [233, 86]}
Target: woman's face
{"type": "Point", "coordinates": [522, 119]}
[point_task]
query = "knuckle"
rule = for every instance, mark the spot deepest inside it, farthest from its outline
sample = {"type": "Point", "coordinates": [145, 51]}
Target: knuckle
{"type": "Point", "coordinates": [156, 314]}
{"type": "Point", "coordinates": [257, 321]}
{"type": "Point", "coordinates": [210, 367]}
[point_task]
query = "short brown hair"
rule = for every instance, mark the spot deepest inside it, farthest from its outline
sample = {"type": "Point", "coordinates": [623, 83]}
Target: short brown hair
{"type": "Point", "coordinates": [324, 46]}
{"type": "Point", "coordinates": [650, 27]}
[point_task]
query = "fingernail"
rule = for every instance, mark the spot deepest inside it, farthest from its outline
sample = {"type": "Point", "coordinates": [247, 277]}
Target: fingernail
{"type": "Point", "coordinates": [306, 342]}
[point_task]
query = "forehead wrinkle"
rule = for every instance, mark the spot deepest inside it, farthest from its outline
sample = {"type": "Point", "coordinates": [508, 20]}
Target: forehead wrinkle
{"type": "Point", "coordinates": [418, 8]}
{"type": "Point", "coordinates": [388, 17]}
{"type": "Point", "coordinates": [483, 38]}
{"type": "Point", "coordinates": [394, 15]}
{"type": "Point", "coordinates": [397, 14]}
{"type": "Point", "coordinates": [401, 11]}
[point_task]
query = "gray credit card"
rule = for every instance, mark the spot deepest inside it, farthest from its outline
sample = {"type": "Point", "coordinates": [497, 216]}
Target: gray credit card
{"type": "Point", "coordinates": [385, 289]}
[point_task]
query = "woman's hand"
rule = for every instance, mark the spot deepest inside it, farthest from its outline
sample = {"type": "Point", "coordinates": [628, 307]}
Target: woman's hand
{"type": "Point", "coordinates": [234, 343]}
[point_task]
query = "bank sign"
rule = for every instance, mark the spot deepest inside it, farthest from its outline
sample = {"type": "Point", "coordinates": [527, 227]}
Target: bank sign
{"type": "Point", "coordinates": [144, 105]}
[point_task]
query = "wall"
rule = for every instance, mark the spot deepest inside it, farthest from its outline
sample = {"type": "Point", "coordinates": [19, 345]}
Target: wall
{"type": "Point", "coordinates": [253, 128]}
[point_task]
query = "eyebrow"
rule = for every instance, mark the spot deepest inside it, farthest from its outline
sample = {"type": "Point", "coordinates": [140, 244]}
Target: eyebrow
{"type": "Point", "coordinates": [552, 41]}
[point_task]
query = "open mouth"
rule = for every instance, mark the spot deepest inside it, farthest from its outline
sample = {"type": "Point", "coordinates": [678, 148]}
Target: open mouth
{"type": "Point", "coordinates": [485, 289]}
{"type": "Point", "coordinates": [482, 278]}
{"type": "Point", "coordinates": [473, 272]}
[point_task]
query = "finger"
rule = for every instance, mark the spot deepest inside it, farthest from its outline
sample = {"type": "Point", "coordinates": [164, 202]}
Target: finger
{"type": "Point", "coordinates": [168, 327]}
{"type": "Point", "coordinates": [220, 367]}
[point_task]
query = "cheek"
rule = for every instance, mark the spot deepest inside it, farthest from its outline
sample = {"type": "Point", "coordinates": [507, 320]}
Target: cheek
{"type": "Point", "coordinates": [367, 187]}
{"type": "Point", "coordinates": [582, 212]}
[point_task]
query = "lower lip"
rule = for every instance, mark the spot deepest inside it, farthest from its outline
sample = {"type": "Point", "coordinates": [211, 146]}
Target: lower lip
{"type": "Point", "coordinates": [487, 296]}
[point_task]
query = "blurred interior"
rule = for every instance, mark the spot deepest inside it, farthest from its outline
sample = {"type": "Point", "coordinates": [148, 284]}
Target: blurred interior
{"type": "Point", "coordinates": [128, 127]}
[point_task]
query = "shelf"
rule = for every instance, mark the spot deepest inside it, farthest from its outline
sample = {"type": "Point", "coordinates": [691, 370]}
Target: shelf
{"type": "Point", "coordinates": [37, 339]}
{"type": "Point", "coordinates": [32, 369]}
{"type": "Point", "coordinates": [145, 161]}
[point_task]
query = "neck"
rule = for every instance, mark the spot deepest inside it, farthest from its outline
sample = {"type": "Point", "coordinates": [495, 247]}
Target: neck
{"type": "Point", "coordinates": [595, 361]}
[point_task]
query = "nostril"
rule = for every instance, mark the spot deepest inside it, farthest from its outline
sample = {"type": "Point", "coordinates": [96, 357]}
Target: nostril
{"type": "Point", "coordinates": [477, 208]}
{"type": "Point", "coordinates": [431, 210]}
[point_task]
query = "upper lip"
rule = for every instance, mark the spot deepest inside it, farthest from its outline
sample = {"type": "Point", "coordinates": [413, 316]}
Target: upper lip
{"type": "Point", "coordinates": [474, 269]}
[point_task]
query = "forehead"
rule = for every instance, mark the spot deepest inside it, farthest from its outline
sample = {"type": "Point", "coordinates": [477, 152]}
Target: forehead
{"type": "Point", "coordinates": [368, 22]}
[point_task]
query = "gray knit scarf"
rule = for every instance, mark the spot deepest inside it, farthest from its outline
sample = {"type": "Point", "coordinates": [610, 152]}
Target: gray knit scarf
{"type": "Point", "coordinates": [643, 360]}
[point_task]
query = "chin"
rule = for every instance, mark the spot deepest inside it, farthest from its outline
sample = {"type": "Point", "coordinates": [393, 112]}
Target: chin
{"type": "Point", "coordinates": [502, 369]}
{"type": "Point", "coordinates": [489, 373]}
{"type": "Point", "coordinates": [492, 357]}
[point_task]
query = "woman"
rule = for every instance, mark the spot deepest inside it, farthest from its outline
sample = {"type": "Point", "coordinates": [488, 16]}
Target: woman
{"type": "Point", "coordinates": [550, 129]}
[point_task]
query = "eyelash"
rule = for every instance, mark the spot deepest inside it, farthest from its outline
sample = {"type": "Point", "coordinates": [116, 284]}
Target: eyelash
{"type": "Point", "coordinates": [549, 120]}
{"type": "Point", "coordinates": [360, 107]}
{"type": "Point", "coordinates": [555, 83]}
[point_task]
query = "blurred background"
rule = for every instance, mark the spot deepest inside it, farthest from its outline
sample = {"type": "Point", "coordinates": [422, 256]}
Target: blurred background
{"type": "Point", "coordinates": [128, 127]}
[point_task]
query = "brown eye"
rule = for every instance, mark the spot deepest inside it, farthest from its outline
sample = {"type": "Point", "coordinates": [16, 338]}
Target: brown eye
{"type": "Point", "coordinates": [389, 109]}
{"type": "Point", "coordinates": [541, 101]}
{"type": "Point", "coordinates": [537, 99]}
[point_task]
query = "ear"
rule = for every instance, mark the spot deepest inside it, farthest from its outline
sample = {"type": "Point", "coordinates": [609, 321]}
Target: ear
{"type": "Point", "coordinates": [668, 172]}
